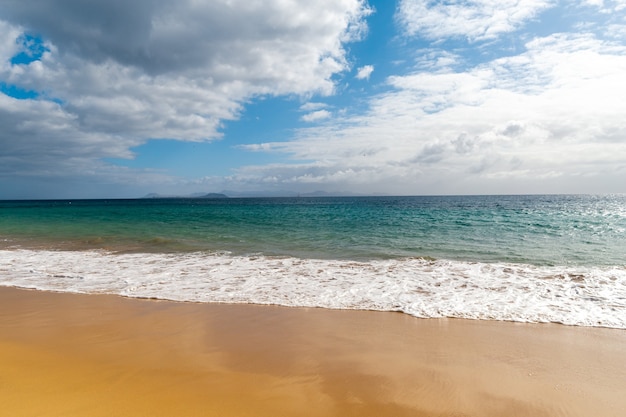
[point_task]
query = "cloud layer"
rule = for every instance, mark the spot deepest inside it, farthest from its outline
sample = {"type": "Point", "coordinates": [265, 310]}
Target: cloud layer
{"type": "Point", "coordinates": [522, 96]}
{"type": "Point", "coordinates": [116, 73]}
{"type": "Point", "coordinates": [474, 19]}
{"type": "Point", "coordinates": [547, 119]}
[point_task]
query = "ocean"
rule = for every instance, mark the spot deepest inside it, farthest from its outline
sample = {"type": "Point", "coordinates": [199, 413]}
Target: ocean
{"type": "Point", "coordinates": [539, 258]}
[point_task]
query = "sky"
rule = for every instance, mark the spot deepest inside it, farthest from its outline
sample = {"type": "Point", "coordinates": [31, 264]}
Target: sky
{"type": "Point", "coordinates": [118, 99]}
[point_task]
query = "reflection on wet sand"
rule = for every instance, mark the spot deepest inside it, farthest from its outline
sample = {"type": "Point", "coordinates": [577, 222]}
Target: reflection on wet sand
{"type": "Point", "coordinates": [96, 355]}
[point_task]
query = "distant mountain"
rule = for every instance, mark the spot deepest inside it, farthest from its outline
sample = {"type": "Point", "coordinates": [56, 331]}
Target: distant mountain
{"type": "Point", "coordinates": [196, 195]}
{"type": "Point", "coordinates": [251, 194]}
{"type": "Point", "coordinates": [328, 194]}
{"type": "Point", "coordinates": [285, 193]}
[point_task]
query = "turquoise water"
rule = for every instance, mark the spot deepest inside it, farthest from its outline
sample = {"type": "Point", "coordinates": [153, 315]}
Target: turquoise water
{"type": "Point", "coordinates": [537, 230]}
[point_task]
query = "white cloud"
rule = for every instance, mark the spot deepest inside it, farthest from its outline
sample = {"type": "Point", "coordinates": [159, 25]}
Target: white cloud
{"type": "Point", "coordinates": [8, 43]}
{"type": "Point", "coordinates": [473, 19]}
{"type": "Point", "coordinates": [598, 3]}
{"type": "Point", "coordinates": [316, 116]}
{"type": "Point", "coordinates": [364, 72]}
{"type": "Point", "coordinates": [437, 60]}
{"type": "Point", "coordinates": [122, 72]}
{"type": "Point", "coordinates": [608, 6]}
{"type": "Point", "coordinates": [256, 147]}
{"type": "Point", "coordinates": [548, 120]}
{"type": "Point", "coordinates": [311, 106]}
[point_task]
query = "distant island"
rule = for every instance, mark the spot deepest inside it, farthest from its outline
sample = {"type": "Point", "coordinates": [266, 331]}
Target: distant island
{"type": "Point", "coordinates": [255, 194]}
{"type": "Point", "coordinates": [208, 195]}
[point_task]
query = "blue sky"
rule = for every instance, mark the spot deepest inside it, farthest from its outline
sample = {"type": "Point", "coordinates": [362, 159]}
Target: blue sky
{"type": "Point", "coordinates": [111, 98]}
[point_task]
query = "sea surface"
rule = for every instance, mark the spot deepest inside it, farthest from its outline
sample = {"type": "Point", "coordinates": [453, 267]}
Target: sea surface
{"type": "Point", "coordinates": [549, 258]}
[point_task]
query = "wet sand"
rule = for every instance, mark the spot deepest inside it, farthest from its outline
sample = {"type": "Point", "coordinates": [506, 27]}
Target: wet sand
{"type": "Point", "coordinates": [100, 355]}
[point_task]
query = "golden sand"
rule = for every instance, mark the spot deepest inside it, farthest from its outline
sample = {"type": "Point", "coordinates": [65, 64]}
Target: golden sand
{"type": "Point", "coordinates": [98, 355]}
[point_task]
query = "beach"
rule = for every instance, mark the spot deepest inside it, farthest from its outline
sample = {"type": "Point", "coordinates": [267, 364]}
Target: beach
{"type": "Point", "coordinates": [100, 355]}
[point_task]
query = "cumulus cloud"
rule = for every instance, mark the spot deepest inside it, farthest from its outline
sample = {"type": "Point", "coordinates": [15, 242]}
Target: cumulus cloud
{"type": "Point", "coordinates": [522, 123]}
{"type": "Point", "coordinates": [316, 116]}
{"type": "Point", "coordinates": [115, 73]}
{"type": "Point", "coordinates": [312, 106]}
{"type": "Point", "coordinates": [608, 6]}
{"type": "Point", "coordinates": [474, 19]}
{"type": "Point", "coordinates": [497, 114]}
{"type": "Point", "coordinates": [224, 40]}
{"type": "Point", "coordinates": [364, 72]}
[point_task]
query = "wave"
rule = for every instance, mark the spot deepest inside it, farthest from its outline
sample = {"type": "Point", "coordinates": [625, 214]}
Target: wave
{"type": "Point", "coordinates": [426, 288]}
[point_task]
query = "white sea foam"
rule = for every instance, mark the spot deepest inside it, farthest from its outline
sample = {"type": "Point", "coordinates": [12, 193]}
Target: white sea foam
{"type": "Point", "coordinates": [582, 296]}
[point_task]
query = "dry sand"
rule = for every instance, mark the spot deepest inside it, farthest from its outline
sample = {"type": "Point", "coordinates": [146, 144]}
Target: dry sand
{"type": "Point", "coordinates": [99, 355]}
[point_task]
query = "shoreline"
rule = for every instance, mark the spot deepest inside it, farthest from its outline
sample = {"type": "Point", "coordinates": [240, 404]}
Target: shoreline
{"type": "Point", "coordinates": [419, 287]}
{"type": "Point", "coordinates": [100, 355]}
